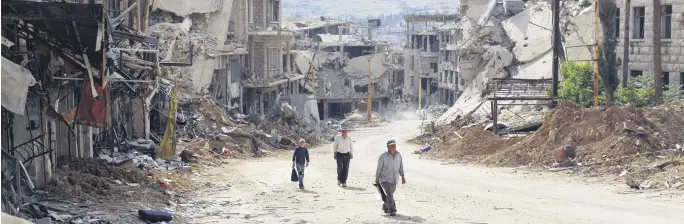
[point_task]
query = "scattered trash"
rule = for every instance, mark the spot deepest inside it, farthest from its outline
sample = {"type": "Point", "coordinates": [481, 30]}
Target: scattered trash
{"type": "Point", "coordinates": [425, 149]}
{"type": "Point", "coordinates": [565, 156]}
{"type": "Point", "coordinates": [665, 164]}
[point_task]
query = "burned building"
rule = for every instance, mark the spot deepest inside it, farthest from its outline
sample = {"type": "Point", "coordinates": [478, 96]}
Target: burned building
{"type": "Point", "coordinates": [422, 54]}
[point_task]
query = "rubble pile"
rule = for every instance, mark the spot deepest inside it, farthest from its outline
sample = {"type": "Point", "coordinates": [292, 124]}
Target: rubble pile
{"type": "Point", "coordinates": [436, 110]}
{"type": "Point", "coordinates": [598, 133]}
{"type": "Point", "coordinates": [84, 179]}
{"type": "Point", "coordinates": [619, 139]}
{"type": "Point", "coordinates": [359, 119]}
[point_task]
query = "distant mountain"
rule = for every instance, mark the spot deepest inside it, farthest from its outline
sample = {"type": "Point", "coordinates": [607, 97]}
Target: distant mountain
{"type": "Point", "coordinates": [366, 8]}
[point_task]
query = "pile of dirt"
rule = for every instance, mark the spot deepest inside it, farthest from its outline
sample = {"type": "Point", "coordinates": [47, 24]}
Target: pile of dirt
{"type": "Point", "coordinates": [475, 144]}
{"type": "Point", "coordinates": [85, 179]}
{"type": "Point", "coordinates": [599, 134]}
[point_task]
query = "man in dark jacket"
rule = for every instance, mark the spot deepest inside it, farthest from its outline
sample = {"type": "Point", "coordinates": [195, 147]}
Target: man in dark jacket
{"type": "Point", "coordinates": [300, 160]}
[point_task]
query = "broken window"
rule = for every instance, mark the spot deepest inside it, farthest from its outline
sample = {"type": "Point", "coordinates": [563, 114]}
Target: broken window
{"type": "Point", "coordinates": [666, 21]}
{"type": "Point", "coordinates": [273, 60]}
{"type": "Point", "coordinates": [413, 81]}
{"type": "Point", "coordinates": [275, 11]}
{"type": "Point", "coordinates": [235, 71]}
{"type": "Point", "coordinates": [433, 67]}
{"type": "Point", "coordinates": [635, 73]}
{"type": "Point", "coordinates": [347, 83]}
{"type": "Point", "coordinates": [250, 12]}
{"type": "Point", "coordinates": [681, 81]}
{"type": "Point", "coordinates": [639, 20]}
{"type": "Point", "coordinates": [616, 23]}
{"type": "Point", "coordinates": [666, 80]}
{"type": "Point", "coordinates": [451, 78]}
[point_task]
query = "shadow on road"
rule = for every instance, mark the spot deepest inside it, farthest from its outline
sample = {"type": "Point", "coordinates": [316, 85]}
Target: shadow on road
{"type": "Point", "coordinates": [355, 188]}
{"type": "Point", "coordinates": [309, 191]}
{"type": "Point", "coordinates": [413, 219]}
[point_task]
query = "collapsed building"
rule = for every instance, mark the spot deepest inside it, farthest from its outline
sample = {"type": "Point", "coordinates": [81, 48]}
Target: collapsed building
{"type": "Point", "coordinates": [425, 46]}
{"type": "Point", "coordinates": [73, 75]}
{"type": "Point", "coordinates": [340, 63]}
{"type": "Point", "coordinates": [505, 47]}
{"type": "Point", "coordinates": [86, 80]}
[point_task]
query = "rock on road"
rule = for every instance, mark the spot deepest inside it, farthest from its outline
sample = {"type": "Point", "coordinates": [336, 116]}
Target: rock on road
{"type": "Point", "coordinates": [260, 192]}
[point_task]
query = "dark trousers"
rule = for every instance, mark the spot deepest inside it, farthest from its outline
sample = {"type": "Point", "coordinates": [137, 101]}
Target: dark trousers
{"type": "Point", "coordinates": [343, 166]}
{"type": "Point", "coordinates": [389, 189]}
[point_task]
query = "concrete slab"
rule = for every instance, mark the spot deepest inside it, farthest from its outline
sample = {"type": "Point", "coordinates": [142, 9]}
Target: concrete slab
{"type": "Point", "coordinates": [580, 32]}
{"type": "Point", "coordinates": [360, 65]}
{"type": "Point", "coordinates": [183, 7]}
{"type": "Point", "coordinates": [513, 6]}
{"type": "Point", "coordinates": [531, 32]}
{"type": "Point", "coordinates": [476, 8]}
{"type": "Point", "coordinates": [538, 69]}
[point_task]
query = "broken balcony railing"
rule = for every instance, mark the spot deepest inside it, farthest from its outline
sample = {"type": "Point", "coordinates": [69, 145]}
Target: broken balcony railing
{"type": "Point", "coordinates": [511, 92]}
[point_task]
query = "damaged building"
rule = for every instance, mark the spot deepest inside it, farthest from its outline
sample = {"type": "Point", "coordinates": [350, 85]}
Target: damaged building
{"type": "Point", "coordinates": [422, 53]}
{"type": "Point", "coordinates": [450, 35]}
{"type": "Point", "coordinates": [75, 78]}
{"type": "Point", "coordinates": [338, 57]}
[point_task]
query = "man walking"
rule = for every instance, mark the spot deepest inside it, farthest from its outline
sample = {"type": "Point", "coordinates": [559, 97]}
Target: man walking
{"type": "Point", "coordinates": [343, 152]}
{"type": "Point", "coordinates": [390, 166]}
{"type": "Point", "coordinates": [300, 160]}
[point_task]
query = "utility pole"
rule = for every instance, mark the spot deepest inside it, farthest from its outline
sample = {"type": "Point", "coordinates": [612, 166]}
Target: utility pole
{"type": "Point", "coordinates": [625, 45]}
{"type": "Point", "coordinates": [596, 51]}
{"type": "Point", "coordinates": [420, 83]}
{"type": "Point", "coordinates": [370, 92]}
{"type": "Point", "coordinates": [556, 46]}
{"type": "Point", "coordinates": [657, 54]}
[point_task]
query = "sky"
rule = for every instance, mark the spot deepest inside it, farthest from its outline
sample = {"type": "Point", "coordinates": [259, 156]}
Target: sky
{"type": "Point", "coordinates": [365, 8]}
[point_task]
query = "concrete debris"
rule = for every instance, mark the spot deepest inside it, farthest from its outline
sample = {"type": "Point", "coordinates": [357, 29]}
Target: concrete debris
{"type": "Point", "coordinates": [436, 110]}
{"type": "Point", "coordinates": [185, 8]}
{"type": "Point", "coordinates": [531, 32]}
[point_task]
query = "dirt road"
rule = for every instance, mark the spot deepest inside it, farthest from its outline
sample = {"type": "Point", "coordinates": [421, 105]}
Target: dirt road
{"type": "Point", "coordinates": [260, 192]}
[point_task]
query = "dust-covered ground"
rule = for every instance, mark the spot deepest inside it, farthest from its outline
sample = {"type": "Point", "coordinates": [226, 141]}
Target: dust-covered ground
{"type": "Point", "coordinates": [259, 191]}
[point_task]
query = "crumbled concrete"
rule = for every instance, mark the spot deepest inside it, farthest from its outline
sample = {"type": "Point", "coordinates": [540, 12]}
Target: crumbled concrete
{"type": "Point", "coordinates": [513, 6]}
{"type": "Point", "coordinates": [361, 65]}
{"type": "Point", "coordinates": [580, 32]}
{"type": "Point", "coordinates": [531, 40]}
{"type": "Point", "coordinates": [184, 8]}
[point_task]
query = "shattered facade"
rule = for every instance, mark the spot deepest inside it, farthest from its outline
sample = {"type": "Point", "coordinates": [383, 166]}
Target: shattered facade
{"type": "Point", "coordinates": [422, 54]}
{"type": "Point", "coordinates": [337, 61]}
{"type": "Point", "coordinates": [450, 35]}
{"type": "Point", "coordinates": [93, 76]}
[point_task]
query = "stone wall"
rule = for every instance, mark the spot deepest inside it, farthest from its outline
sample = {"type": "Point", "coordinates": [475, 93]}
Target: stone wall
{"type": "Point", "coordinates": [641, 50]}
{"type": "Point", "coordinates": [259, 12]}
{"type": "Point", "coordinates": [259, 59]}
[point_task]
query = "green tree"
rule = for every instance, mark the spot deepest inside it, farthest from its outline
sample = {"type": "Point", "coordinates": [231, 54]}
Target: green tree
{"type": "Point", "coordinates": [607, 57]}
{"type": "Point", "coordinates": [640, 91]}
{"type": "Point", "coordinates": [578, 83]}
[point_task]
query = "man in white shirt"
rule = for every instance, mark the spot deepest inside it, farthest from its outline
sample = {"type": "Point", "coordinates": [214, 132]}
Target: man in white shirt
{"type": "Point", "coordinates": [343, 152]}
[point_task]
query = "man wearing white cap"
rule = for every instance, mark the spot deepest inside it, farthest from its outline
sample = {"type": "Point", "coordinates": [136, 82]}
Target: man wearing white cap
{"type": "Point", "coordinates": [390, 166]}
{"type": "Point", "coordinates": [343, 152]}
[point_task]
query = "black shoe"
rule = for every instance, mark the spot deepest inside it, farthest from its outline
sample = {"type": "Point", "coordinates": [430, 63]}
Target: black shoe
{"type": "Point", "coordinates": [385, 210]}
{"type": "Point", "coordinates": [393, 213]}
{"type": "Point", "coordinates": [301, 186]}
